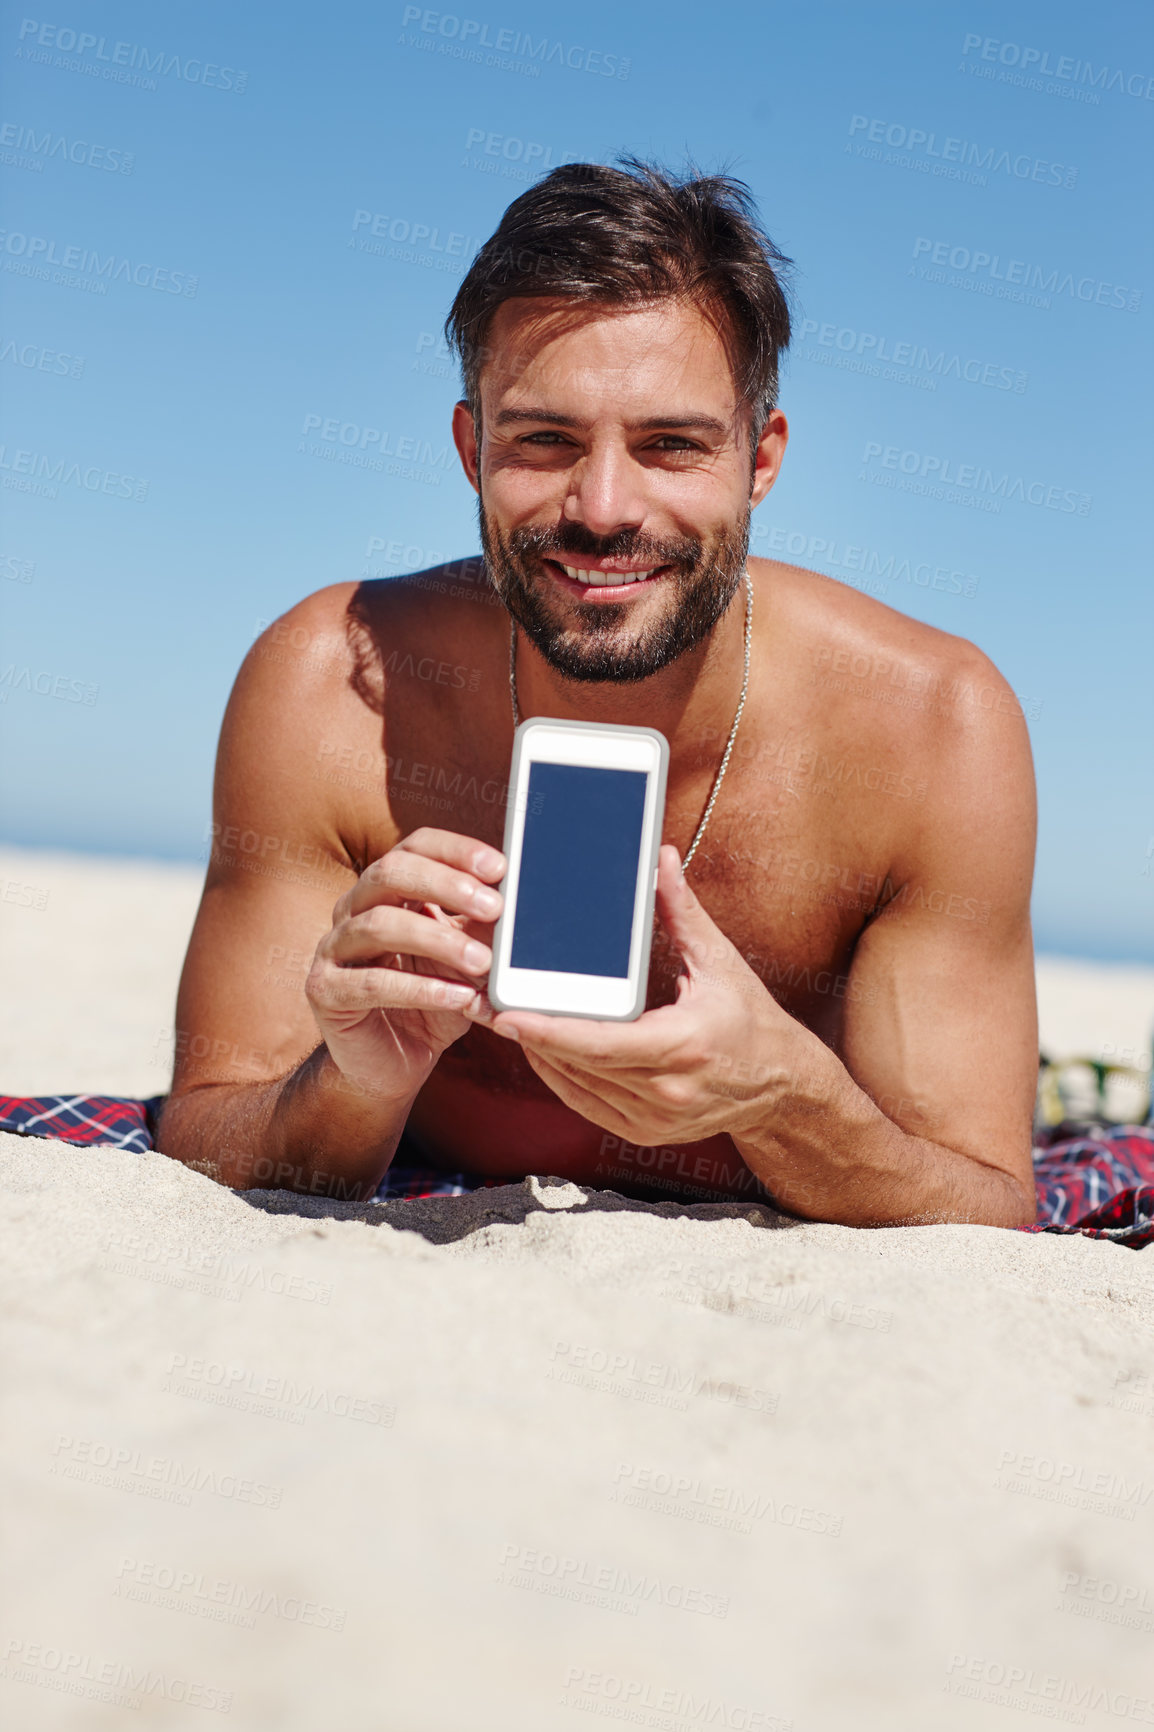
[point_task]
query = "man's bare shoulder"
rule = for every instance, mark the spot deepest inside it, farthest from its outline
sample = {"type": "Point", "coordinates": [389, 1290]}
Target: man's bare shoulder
{"type": "Point", "coordinates": [307, 646]}
{"type": "Point", "coordinates": [456, 595]}
{"type": "Point", "coordinates": [341, 637]}
{"type": "Point", "coordinates": [925, 704]}
{"type": "Point", "coordinates": [872, 662]}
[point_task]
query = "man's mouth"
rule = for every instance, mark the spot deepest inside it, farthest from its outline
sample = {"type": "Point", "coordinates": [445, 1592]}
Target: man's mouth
{"type": "Point", "coordinates": [607, 574]}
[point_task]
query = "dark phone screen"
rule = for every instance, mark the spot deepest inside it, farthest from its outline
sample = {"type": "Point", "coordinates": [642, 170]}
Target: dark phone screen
{"type": "Point", "coordinates": [579, 862]}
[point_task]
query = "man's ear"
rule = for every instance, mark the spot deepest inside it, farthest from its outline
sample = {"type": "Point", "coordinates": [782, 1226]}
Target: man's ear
{"type": "Point", "coordinates": [768, 456]}
{"type": "Point", "coordinates": [465, 439]}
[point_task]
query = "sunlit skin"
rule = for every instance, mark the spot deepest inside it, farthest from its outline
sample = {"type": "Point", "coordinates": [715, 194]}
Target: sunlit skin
{"type": "Point", "coordinates": [867, 1055]}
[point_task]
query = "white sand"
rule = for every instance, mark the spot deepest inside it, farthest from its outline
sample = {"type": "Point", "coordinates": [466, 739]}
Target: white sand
{"type": "Point", "coordinates": [911, 1463]}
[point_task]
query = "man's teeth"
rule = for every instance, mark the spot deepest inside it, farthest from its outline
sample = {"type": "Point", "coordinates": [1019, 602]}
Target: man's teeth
{"type": "Point", "coordinates": [604, 578]}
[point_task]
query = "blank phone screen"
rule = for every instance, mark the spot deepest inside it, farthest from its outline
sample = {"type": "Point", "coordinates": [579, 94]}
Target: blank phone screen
{"type": "Point", "coordinates": [579, 863]}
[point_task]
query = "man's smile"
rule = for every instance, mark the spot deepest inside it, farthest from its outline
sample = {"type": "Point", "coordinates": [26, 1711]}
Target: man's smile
{"type": "Point", "coordinates": [602, 579]}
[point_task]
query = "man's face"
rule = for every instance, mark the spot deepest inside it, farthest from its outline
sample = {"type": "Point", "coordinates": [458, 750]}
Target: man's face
{"type": "Point", "coordinates": [612, 444]}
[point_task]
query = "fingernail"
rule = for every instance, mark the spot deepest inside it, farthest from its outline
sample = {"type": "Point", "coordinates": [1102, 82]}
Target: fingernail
{"type": "Point", "coordinates": [486, 901]}
{"type": "Point", "coordinates": [507, 1033]}
{"type": "Point", "coordinates": [476, 956]}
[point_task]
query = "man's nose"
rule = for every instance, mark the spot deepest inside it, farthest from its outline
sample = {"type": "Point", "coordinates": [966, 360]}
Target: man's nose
{"type": "Point", "coordinates": [606, 491]}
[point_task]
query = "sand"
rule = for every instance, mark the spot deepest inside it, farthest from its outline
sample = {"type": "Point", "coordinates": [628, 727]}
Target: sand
{"type": "Point", "coordinates": [540, 1456]}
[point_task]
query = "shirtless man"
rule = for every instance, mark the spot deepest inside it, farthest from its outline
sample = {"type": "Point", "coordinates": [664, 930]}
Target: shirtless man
{"type": "Point", "coordinates": [841, 1002]}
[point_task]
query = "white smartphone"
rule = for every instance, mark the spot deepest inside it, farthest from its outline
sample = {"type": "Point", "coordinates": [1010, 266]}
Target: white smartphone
{"type": "Point", "coordinates": [582, 834]}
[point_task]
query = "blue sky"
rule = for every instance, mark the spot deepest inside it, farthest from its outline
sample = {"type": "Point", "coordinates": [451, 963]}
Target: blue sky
{"type": "Point", "coordinates": [961, 187]}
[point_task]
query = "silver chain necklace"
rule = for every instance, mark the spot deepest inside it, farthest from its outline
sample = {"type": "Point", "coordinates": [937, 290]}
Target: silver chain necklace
{"type": "Point", "coordinates": [725, 756]}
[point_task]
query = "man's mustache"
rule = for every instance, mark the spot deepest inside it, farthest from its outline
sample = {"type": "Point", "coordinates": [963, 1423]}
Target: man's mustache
{"type": "Point", "coordinates": [544, 543]}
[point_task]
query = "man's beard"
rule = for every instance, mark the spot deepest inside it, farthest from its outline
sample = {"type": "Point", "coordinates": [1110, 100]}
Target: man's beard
{"type": "Point", "coordinates": [700, 587]}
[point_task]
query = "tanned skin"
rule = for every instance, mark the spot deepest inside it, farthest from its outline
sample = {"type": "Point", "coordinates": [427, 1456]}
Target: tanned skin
{"type": "Point", "coordinates": [840, 1010]}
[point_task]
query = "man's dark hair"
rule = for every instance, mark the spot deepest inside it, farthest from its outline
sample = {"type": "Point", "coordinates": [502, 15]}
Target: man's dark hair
{"type": "Point", "coordinates": [630, 235]}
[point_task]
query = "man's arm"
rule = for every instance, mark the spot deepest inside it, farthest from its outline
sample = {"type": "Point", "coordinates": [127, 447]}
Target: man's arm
{"type": "Point", "coordinates": [926, 1115]}
{"type": "Point", "coordinates": [929, 1118]}
{"type": "Point", "coordinates": [252, 1093]}
{"type": "Point", "coordinates": [258, 1097]}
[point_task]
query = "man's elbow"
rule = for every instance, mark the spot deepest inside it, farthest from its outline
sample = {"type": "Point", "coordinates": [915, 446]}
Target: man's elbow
{"type": "Point", "coordinates": [1008, 1202]}
{"type": "Point", "coordinates": [1022, 1203]}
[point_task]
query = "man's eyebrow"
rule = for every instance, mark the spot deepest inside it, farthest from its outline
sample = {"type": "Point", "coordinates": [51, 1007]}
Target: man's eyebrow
{"type": "Point", "coordinates": [651, 423]}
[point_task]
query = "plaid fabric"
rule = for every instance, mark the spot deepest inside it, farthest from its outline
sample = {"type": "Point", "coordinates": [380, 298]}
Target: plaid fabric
{"type": "Point", "coordinates": [1100, 1184]}
{"type": "Point", "coordinates": [122, 1124]}
{"type": "Point", "coordinates": [131, 1124]}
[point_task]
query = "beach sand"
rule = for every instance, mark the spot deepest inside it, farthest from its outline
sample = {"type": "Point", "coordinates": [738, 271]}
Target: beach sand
{"type": "Point", "coordinates": [540, 1456]}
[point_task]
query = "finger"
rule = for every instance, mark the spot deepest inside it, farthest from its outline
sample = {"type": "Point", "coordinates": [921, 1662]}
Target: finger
{"type": "Point", "coordinates": [625, 1090]}
{"type": "Point", "coordinates": [643, 1045]}
{"type": "Point", "coordinates": [389, 931]}
{"type": "Point", "coordinates": [403, 875]}
{"type": "Point", "coordinates": [582, 1100]}
{"type": "Point", "coordinates": [704, 948]}
{"type": "Point", "coordinates": [464, 852]}
{"type": "Point", "coordinates": [336, 991]}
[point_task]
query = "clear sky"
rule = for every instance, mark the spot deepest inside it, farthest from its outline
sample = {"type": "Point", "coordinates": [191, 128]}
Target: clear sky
{"type": "Point", "coordinates": [289, 197]}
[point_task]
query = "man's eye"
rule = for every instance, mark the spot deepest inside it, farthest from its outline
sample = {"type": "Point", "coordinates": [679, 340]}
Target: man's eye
{"type": "Point", "coordinates": [542, 439]}
{"type": "Point", "coordinates": [675, 442]}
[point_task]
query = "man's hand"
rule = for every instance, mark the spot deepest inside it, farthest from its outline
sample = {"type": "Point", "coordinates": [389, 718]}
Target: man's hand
{"type": "Point", "coordinates": [392, 983]}
{"type": "Point", "coordinates": [719, 1060]}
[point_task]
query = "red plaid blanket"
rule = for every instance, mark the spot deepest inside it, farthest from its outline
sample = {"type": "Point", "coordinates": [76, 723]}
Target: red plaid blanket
{"type": "Point", "coordinates": [1100, 1184]}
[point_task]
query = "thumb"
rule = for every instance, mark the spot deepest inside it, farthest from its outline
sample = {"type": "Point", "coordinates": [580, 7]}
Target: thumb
{"type": "Point", "coordinates": [693, 932]}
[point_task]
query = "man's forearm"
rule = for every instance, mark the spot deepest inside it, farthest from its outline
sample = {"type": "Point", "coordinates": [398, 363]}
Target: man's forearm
{"type": "Point", "coordinates": [829, 1154]}
{"type": "Point", "coordinates": [310, 1131]}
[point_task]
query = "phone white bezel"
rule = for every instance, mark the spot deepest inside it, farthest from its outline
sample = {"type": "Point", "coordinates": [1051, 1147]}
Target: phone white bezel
{"type": "Point", "coordinates": [600, 746]}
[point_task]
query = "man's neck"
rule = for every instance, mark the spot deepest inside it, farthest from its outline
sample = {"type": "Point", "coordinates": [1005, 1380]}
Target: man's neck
{"type": "Point", "coordinates": [692, 702]}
